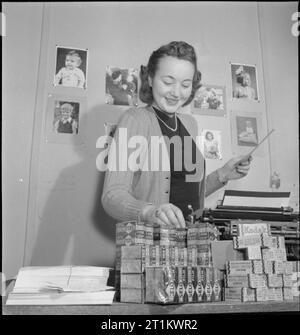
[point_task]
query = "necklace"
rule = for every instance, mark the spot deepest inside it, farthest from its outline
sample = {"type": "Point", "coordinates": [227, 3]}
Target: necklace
{"type": "Point", "coordinates": [165, 123]}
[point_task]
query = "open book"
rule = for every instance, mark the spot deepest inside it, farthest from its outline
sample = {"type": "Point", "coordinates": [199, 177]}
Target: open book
{"type": "Point", "coordinates": [62, 285]}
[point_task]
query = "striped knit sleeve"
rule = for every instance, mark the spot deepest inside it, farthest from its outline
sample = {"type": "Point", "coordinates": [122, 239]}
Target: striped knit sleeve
{"type": "Point", "coordinates": [117, 197]}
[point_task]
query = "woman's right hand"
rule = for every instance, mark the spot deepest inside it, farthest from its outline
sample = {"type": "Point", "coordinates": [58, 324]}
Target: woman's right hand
{"type": "Point", "coordinates": [164, 215]}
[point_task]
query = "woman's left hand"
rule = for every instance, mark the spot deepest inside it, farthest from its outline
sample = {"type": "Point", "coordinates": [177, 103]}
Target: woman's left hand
{"type": "Point", "coordinates": [235, 168]}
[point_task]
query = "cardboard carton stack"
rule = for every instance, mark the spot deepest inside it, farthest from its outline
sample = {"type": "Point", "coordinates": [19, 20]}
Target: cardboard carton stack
{"type": "Point", "coordinates": [265, 274]}
{"type": "Point", "coordinates": [296, 279]}
{"type": "Point", "coordinates": [181, 255]}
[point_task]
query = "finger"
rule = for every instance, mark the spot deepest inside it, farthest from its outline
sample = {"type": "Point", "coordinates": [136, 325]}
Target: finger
{"type": "Point", "coordinates": [163, 217]}
{"type": "Point", "coordinates": [161, 222]}
{"type": "Point", "coordinates": [179, 216]}
{"type": "Point", "coordinates": [245, 163]}
{"type": "Point", "coordinates": [243, 168]}
{"type": "Point", "coordinates": [172, 218]}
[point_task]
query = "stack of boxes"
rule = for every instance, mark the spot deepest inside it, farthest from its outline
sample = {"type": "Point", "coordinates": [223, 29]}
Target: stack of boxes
{"type": "Point", "coordinates": [265, 274]}
{"type": "Point", "coordinates": [296, 279]}
{"type": "Point", "coordinates": [178, 261]}
{"type": "Point", "coordinates": [182, 284]}
{"type": "Point", "coordinates": [168, 265]}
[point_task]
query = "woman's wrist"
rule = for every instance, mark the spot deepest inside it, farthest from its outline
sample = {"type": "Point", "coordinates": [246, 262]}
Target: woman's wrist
{"type": "Point", "coordinates": [146, 212]}
{"type": "Point", "coordinates": [222, 176]}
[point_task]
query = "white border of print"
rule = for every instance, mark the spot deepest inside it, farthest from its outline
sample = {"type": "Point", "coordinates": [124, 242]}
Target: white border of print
{"type": "Point", "coordinates": [86, 66]}
{"type": "Point", "coordinates": [232, 83]}
{"type": "Point", "coordinates": [210, 111]}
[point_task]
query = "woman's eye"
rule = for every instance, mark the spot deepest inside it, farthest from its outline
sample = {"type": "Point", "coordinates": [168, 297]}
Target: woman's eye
{"type": "Point", "coordinates": [167, 83]}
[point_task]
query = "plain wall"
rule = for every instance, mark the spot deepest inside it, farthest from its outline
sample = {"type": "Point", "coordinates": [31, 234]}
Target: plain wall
{"type": "Point", "coordinates": [280, 64]}
{"type": "Point", "coordinates": [62, 220]}
{"type": "Point", "coordinates": [20, 63]}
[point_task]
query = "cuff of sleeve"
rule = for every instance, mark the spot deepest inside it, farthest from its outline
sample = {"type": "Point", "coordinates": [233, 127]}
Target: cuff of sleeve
{"type": "Point", "coordinates": [143, 212]}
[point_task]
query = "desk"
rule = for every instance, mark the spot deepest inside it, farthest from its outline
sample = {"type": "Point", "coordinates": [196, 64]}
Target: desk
{"type": "Point", "coordinates": [153, 309]}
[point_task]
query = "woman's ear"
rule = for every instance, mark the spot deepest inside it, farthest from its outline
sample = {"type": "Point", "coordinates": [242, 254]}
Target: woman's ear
{"type": "Point", "coordinates": [150, 81]}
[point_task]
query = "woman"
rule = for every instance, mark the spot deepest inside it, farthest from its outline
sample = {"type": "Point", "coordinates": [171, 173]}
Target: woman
{"type": "Point", "coordinates": [161, 196]}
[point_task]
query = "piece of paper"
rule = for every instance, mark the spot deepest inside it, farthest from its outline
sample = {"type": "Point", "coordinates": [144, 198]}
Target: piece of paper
{"type": "Point", "coordinates": [256, 199]}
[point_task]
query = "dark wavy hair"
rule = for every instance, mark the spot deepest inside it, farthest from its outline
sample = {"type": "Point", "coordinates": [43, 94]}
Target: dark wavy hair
{"type": "Point", "coordinates": [240, 78]}
{"type": "Point", "coordinates": [180, 50]}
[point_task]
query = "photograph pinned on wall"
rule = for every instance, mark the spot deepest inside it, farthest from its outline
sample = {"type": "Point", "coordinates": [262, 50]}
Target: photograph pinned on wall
{"type": "Point", "coordinates": [109, 129]}
{"type": "Point", "coordinates": [246, 131]}
{"type": "Point", "coordinates": [66, 117]}
{"type": "Point", "coordinates": [244, 82]}
{"type": "Point", "coordinates": [210, 100]}
{"type": "Point", "coordinates": [71, 67]}
{"type": "Point", "coordinates": [63, 117]}
{"type": "Point", "coordinates": [211, 144]}
{"type": "Point", "coordinates": [121, 86]}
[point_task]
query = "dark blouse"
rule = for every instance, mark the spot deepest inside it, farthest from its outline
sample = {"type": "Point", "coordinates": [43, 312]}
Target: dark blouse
{"type": "Point", "coordinates": [182, 193]}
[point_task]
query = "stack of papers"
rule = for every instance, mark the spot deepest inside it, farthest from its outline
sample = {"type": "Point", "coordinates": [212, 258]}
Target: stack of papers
{"type": "Point", "coordinates": [62, 285]}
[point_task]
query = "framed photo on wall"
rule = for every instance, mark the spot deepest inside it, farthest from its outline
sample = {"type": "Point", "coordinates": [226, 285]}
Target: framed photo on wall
{"type": "Point", "coordinates": [63, 119]}
{"type": "Point", "coordinates": [71, 67]}
{"type": "Point", "coordinates": [121, 86]}
{"type": "Point", "coordinates": [247, 132]}
{"type": "Point", "coordinates": [244, 82]}
{"type": "Point", "coordinates": [210, 100]}
{"type": "Point", "coordinates": [211, 144]}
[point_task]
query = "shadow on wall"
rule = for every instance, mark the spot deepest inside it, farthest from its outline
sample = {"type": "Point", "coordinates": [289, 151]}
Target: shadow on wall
{"type": "Point", "coordinates": [73, 226]}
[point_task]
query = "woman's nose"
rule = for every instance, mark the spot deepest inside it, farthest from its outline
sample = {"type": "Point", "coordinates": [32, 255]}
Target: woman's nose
{"type": "Point", "coordinates": [175, 90]}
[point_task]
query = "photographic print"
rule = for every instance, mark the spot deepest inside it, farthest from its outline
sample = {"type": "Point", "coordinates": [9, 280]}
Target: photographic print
{"type": "Point", "coordinates": [244, 82]}
{"type": "Point", "coordinates": [246, 132]}
{"type": "Point", "coordinates": [66, 116]}
{"type": "Point", "coordinates": [209, 100]}
{"type": "Point", "coordinates": [211, 144]}
{"type": "Point", "coordinates": [109, 129]}
{"type": "Point", "coordinates": [63, 119]}
{"type": "Point", "coordinates": [121, 86]}
{"type": "Point", "coordinates": [71, 67]}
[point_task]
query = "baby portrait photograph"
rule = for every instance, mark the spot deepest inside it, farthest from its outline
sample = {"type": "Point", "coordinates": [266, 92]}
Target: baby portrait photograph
{"type": "Point", "coordinates": [121, 86]}
{"type": "Point", "coordinates": [66, 117]}
{"type": "Point", "coordinates": [211, 144]}
{"type": "Point", "coordinates": [71, 67]}
{"type": "Point", "coordinates": [246, 131]}
{"type": "Point", "coordinates": [244, 82]}
{"type": "Point", "coordinates": [209, 100]}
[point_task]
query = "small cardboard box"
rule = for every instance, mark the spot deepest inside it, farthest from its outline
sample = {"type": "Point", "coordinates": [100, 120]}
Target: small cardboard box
{"type": "Point", "coordinates": [222, 252]}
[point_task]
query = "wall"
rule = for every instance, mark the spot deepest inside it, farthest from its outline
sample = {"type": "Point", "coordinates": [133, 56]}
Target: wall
{"type": "Point", "coordinates": [21, 52]}
{"type": "Point", "coordinates": [280, 64]}
{"type": "Point", "coordinates": [65, 220]}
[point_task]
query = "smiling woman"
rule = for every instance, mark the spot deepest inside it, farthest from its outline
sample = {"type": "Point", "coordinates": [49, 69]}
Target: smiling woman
{"type": "Point", "coordinates": [168, 82]}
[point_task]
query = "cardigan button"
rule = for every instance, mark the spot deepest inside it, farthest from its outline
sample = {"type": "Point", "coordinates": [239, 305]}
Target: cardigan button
{"type": "Point", "coordinates": [167, 192]}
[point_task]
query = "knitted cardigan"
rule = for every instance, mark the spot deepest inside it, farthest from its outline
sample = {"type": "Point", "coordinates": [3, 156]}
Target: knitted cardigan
{"type": "Point", "coordinates": [126, 193]}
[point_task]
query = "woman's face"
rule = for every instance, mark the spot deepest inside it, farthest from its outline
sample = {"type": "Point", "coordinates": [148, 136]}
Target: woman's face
{"type": "Point", "coordinates": [172, 83]}
{"type": "Point", "coordinates": [209, 136]}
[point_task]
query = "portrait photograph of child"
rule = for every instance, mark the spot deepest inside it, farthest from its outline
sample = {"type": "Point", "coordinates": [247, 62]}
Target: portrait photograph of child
{"type": "Point", "coordinates": [66, 117]}
{"type": "Point", "coordinates": [71, 67]}
{"type": "Point", "coordinates": [244, 82]}
{"type": "Point", "coordinates": [246, 131]}
{"type": "Point", "coordinates": [209, 100]}
{"type": "Point", "coordinates": [121, 86]}
{"type": "Point", "coordinates": [211, 144]}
